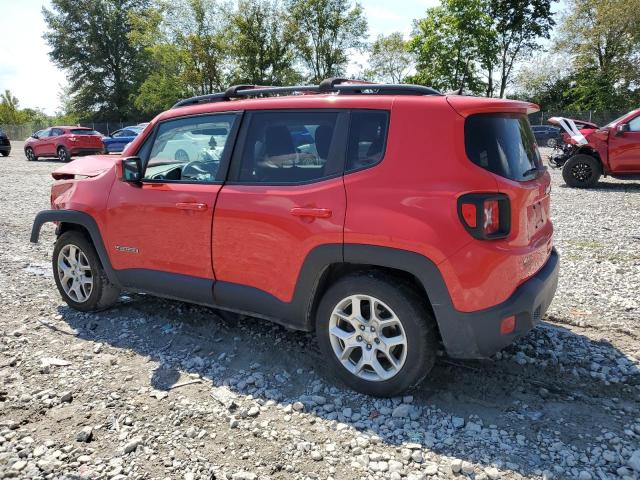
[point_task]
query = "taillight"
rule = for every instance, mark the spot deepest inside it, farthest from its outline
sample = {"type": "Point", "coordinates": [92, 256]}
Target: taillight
{"type": "Point", "coordinates": [486, 216]}
{"type": "Point", "coordinates": [73, 139]}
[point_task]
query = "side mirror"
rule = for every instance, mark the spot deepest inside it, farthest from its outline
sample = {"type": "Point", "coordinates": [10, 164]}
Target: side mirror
{"type": "Point", "coordinates": [132, 170]}
{"type": "Point", "coordinates": [621, 129]}
{"type": "Point", "coordinates": [33, 135]}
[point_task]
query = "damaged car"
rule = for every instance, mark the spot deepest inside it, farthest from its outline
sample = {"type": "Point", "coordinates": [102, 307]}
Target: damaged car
{"type": "Point", "coordinates": [587, 151]}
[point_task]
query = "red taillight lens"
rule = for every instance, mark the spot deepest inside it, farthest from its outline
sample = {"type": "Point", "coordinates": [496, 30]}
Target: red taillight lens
{"type": "Point", "coordinates": [491, 217]}
{"type": "Point", "coordinates": [73, 139]}
{"type": "Point", "coordinates": [486, 216]}
{"type": "Point", "coordinates": [470, 214]}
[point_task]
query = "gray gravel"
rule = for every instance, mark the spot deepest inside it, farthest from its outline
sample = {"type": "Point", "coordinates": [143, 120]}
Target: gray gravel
{"type": "Point", "coordinates": [160, 389]}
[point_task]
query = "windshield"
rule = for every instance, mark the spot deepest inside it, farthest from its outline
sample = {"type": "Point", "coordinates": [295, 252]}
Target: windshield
{"type": "Point", "coordinates": [502, 143]}
{"type": "Point", "coordinates": [612, 123]}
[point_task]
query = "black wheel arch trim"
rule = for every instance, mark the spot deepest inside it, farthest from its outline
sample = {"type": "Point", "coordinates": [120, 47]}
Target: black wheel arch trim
{"type": "Point", "coordinates": [82, 219]}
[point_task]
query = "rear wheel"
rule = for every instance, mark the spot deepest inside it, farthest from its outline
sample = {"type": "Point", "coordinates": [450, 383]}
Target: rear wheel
{"type": "Point", "coordinates": [31, 156]}
{"type": "Point", "coordinates": [79, 275]}
{"type": "Point", "coordinates": [581, 171]}
{"type": "Point", "coordinates": [63, 154]}
{"type": "Point", "coordinates": [376, 334]}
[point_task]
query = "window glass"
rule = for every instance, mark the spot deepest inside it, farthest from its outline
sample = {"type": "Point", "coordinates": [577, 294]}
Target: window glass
{"type": "Point", "coordinates": [84, 131]}
{"type": "Point", "coordinates": [367, 138]}
{"type": "Point", "coordinates": [43, 133]}
{"type": "Point", "coordinates": [502, 143]}
{"type": "Point", "coordinates": [634, 125]}
{"type": "Point", "coordinates": [118, 134]}
{"type": "Point", "coordinates": [55, 132]}
{"type": "Point", "coordinates": [189, 149]}
{"type": "Point", "coordinates": [289, 147]}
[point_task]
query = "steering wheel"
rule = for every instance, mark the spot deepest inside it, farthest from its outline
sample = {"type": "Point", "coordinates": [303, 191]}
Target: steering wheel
{"type": "Point", "coordinates": [197, 168]}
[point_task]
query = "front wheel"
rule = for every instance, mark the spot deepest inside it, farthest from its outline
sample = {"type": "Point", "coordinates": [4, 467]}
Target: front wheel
{"type": "Point", "coordinates": [29, 153]}
{"type": "Point", "coordinates": [63, 154]}
{"type": "Point", "coordinates": [581, 171]}
{"type": "Point", "coordinates": [377, 334]}
{"type": "Point", "coordinates": [79, 275]}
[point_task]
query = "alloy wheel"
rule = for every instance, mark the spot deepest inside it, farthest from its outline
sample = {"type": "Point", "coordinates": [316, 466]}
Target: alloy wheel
{"type": "Point", "coordinates": [29, 153]}
{"type": "Point", "coordinates": [368, 338]}
{"type": "Point", "coordinates": [74, 273]}
{"type": "Point", "coordinates": [582, 172]}
{"type": "Point", "coordinates": [62, 154]}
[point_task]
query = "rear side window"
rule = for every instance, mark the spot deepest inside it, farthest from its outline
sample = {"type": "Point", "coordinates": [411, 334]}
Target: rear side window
{"type": "Point", "coordinates": [290, 147]}
{"type": "Point", "coordinates": [84, 131]}
{"type": "Point", "coordinates": [367, 138]}
{"type": "Point", "coordinates": [503, 144]}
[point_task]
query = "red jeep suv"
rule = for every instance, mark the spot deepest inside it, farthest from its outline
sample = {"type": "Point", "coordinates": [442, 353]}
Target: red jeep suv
{"type": "Point", "coordinates": [63, 142]}
{"type": "Point", "coordinates": [387, 218]}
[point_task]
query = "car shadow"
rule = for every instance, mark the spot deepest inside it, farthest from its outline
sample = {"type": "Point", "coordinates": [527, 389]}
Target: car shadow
{"type": "Point", "coordinates": [542, 391]}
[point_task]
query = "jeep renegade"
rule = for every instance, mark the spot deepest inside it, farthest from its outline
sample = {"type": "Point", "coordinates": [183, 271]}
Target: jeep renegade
{"type": "Point", "coordinates": [390, 219]}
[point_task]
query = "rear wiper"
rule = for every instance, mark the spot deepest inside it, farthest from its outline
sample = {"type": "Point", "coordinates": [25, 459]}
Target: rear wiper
{"type": "Point", "coordinates": [534, 170]}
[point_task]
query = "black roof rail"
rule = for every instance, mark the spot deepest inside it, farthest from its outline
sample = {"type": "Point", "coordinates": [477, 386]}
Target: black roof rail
{"type": "Point", "coordinates": [329, 85]}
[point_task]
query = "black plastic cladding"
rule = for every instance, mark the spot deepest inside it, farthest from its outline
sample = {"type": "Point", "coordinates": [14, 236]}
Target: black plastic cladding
{"type": "Point", "coordinates": [335, 85]}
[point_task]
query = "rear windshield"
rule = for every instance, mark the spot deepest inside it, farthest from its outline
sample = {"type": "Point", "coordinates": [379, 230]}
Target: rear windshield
{"type": "Point", "coordinates": [84, 131]}
{"type": "Point", "coordinates": [502, 143]}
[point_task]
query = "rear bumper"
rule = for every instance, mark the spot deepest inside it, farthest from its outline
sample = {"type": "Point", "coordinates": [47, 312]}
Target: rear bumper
{"type": "Point", "coordinates": [81, 152]}
{"type": "Point", "coordinates": [5, 148]}
{"type": "Point", "coordinates": [477, 334]}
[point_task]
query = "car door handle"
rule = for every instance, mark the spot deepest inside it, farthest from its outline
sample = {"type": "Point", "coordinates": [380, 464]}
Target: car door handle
{"type": "Point", "coordinates": [192, 206]}
{"type": "Point", "coordinates": [311, 212]}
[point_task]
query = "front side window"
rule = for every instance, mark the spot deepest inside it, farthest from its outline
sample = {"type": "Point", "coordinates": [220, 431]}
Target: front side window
{"type": "Point", "coordinates": [367, 138]}
{"type": "Point", "coordinates": [43, 133]}
{"type": "Point", "coordinates": [190, 149]}
{"type": "Point", "coordinates": [502, 143]}
{"type": "Point", "coordinates": [290, 147]}
{"type": "Point", "coordinates": [634, 124]}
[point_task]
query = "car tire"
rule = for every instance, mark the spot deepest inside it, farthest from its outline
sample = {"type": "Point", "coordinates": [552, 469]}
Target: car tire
{"type": "Point", "coordinates": [31, 156]}
{"type": "Point", "coordinates": [63, 155]}
{"type": "Point", "coordinates": [361, 345]}
{"type": "Point", "coordinates": [79, 275]}
{"type": "Point", "coordinates": [581, 171]}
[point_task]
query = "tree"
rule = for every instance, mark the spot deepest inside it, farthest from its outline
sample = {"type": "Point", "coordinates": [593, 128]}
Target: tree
{"type": "Point", "coordinates": [9, 111]}
{"type": "Point", "coordinates": [518, 24]}
{"type": "Point", "coordinates": [262, 47]}
{"type": "Point", "coordinates": [89, 39]}
{"type": "Point", "coordinates": [602, 37]}
{"type": "Point", "coordinates": [186, 44]}
{"type": "Point", "coordinates": [324, 32]}
{"type": "Point", "coordinates": [389, 59]}
{"type": "Point", "coordinates": [452, 43]}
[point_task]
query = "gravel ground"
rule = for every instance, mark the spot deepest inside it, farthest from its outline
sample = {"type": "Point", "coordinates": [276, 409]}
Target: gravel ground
{"type": "Point", "coordinates": [160, 389]}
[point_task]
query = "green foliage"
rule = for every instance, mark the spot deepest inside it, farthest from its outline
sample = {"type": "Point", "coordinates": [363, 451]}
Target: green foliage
{"type": "Point", "coordinates": [262, 44]}
{"type": "Point", "coordinates": [602, 38]}
{"type": "Point", "coordinates": [89, 40]}
{"type": "Point", "coordinates": [323, 32]}
{"type": "Point", "coordinates": [451, 44]}
{"type": "Point", "coordinates": [389, 59]}
{"type": "Point", "coordinates": [467, 43]}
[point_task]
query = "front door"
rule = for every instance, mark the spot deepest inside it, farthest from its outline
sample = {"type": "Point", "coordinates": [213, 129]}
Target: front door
{"type": "Point", "coordinates": [164, 224]}
{"type": "Point", "coordinates": [284, 197]}
{"type": "Point", "coordinates": [41, 144]}
{"type": "Point", "coordinates": [624, 149]}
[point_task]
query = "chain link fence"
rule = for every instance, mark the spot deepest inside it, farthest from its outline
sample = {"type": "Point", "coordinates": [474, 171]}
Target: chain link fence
{"type": "Point", "coordinates": [599, 118]}
{"type": "Point", "coordinates": [21, 132]}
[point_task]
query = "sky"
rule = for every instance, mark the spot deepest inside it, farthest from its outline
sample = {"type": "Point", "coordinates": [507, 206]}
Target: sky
{"type": "Point", "coordinates": [26, 70]}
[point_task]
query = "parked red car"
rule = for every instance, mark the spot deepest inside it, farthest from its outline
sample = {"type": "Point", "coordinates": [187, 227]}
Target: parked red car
{"type": "Point", "coordinates": [590, 151]}
{"type": "Point", "coordinates": [386, 218]}
{"type": "Point", "coordinates": [63, 142]}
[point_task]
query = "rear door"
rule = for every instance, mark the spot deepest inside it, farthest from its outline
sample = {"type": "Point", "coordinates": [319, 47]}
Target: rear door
{"type": "Point", "coordinates": [53, 141]}
{"type": "Point", "coordinates": [283, 198]}
{"type": "Point", "coordinates": [624, 149]}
